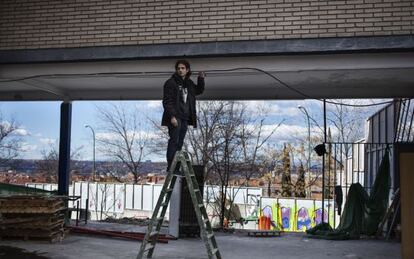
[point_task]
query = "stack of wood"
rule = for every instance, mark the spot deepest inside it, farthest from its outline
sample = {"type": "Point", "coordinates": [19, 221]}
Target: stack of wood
{"type": "Point", "coordinates": [32, 217]}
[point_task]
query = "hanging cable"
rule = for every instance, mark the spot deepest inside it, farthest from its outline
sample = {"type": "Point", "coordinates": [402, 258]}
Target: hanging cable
{"type": "Point", "coordinates": [299, 92]}
{"type": "Point", "coordinates": [306, 96]}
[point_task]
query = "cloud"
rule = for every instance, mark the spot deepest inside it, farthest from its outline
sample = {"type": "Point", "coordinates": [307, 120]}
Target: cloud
{"type": "Point", "coordinates": [47, 141]}
{"type": "Point", "coordinates": [16, 132]}
{"type": "Point", "coordinates": [149, 110]}
{"type": "Point", "coordinates": [106, 136]}
{"type": "Point", "coordinates": [26, 147]}
{"type": "Point", "coordinates": [5, 123]}
{"type": "Point", "coordinates": [109, 136]}
{"type": "Point", "coordinates": [21, 132]}
{"type": "Point", "coordinates": [271, 108]}
{"type": "Point", "coordinates": [290, 111]}
{"type": "Point", "coordinates": [154, 104]}
{"type": "Point", "coordinates": [149, 106]}
{"type": "Point", "coordinates": [289, 132]}
{"type": "Point", "coordinates": [286, 131]}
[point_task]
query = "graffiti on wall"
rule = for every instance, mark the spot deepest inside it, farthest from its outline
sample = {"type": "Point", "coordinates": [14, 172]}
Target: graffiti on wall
{"type": "Point", "coordinates": [286, 215]}
{"type": "Point", "coordinates": [295, 214]}
{"type": "Point", "coordinates": [318, 216]}
{"type": "Point", "coordinates": [304, 219]}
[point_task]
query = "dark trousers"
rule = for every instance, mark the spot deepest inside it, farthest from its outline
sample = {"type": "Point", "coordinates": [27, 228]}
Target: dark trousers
{"type": "Point", "coordinates": [176, 141]}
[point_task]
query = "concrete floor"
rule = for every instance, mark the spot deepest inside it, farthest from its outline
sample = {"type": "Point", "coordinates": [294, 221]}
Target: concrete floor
{"type": "Point", "coordinates": [238, 245]}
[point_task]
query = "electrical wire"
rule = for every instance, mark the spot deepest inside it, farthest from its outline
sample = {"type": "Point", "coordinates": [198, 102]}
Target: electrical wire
{"type": "Point", "coordinates": [306, 96]}
{"type": "Point", "coordinates": [86, 74]}
{"type": "Point", "coordinates": [299, 92]}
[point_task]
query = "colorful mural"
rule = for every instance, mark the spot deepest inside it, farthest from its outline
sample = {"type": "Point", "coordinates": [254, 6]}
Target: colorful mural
{"type": "Point", "coordinates": [304, 221]}
{"type": "Point", "coordinates": [305, 214]}
{"type": "Point", "coordinates": [294, 214]}
{"type": "Point", "coordinates": [286, 215]}
{"type": "Point", "coordinates": [267, 212]}
{"type": "Point", "coordinates": [318, 216]}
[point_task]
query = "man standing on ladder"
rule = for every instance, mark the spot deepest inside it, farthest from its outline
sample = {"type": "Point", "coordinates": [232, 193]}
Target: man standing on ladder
{"type": "Point", "coordinates": [179, 102]}
{"type": "Point", "coordinates": [180, 111]}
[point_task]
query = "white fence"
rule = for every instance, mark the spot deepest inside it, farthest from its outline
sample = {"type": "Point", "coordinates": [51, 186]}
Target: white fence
{"type": "Point", "coordinates": [129, 200]}
{"type": "Point", "coordinates": [114, 199]}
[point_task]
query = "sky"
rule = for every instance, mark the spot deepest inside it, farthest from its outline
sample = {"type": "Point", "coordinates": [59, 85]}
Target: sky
{"type": "Point", "coordinates": [39, 122]}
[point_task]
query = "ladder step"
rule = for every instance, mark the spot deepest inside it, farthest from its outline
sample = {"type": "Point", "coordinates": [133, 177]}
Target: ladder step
{"type": "Point", "coordinates": [164, 204]}
{"type": "Point", "coordinates": [206, 220]}
{"type": "Point", "coordinates": [153, 233]}
{"type": "Point", "coordinates": [214, 251]}
{"type": "Point", "coordinates": [149, 247]}
{"type": "Point", "coordinates": [160, 218]}
{"type": "Point", "coordinates": [168, 190]}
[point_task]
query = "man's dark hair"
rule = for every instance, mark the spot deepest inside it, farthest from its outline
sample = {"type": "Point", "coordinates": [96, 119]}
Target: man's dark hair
{"type": "Point", "coordinates": [183, 62]}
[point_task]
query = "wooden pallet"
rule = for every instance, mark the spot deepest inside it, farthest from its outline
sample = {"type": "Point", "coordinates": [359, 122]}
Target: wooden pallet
{"type": "Point", "coordinates": [264, 233]}
{"type": "Point", "coordinates": [55, 235]}
{"type": "Point", "coordinates": [36, 219]}
{"type": "Point", "coordinates": [27, 207]}
{"type": "Point", "coordinates": [32, 217]}
{"type": "Point", "coordinates": [41, 226]}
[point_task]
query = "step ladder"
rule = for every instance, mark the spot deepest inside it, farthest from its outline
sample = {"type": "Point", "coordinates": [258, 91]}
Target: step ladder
{"type": "Point", "coordinates": [181, 160]}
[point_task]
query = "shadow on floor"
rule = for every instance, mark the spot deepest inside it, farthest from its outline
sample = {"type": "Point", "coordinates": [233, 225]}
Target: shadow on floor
{"type": "Point", "coordinates": [10, 252]}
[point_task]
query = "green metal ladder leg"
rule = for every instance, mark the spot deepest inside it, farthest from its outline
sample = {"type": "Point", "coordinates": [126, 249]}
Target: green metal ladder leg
{"type": "Point", "coordinates": [151, 235]}
{"type": "Point", "coordinates": [206, 230]}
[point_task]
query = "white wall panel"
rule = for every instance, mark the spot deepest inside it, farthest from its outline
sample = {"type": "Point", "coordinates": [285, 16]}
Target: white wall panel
{"type": "Point", "coordinates": [138, 189]}
{"type": "Point", "coordinates": [147, 197]}
{"type": "Point", "coordinates": [128, 196]}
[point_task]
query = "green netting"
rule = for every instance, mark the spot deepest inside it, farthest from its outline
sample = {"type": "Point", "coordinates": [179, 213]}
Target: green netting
{"type": "Point", "coordinates": [13, 189]}
{"type": "Point", "coordinates": [362, 212]}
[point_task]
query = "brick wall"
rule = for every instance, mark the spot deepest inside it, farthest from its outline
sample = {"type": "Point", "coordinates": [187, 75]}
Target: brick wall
{"type": "Point", "coordinates": [32, 24]}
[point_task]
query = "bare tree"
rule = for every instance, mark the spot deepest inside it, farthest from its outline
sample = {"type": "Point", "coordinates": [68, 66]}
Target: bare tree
{"type": "Point", "coordinates": [227, 151]}
{"type": "Point", "coordinates": [10, 140]}
{"type": "Point", "coordinates": [230, 140]}
{"type": "Point", "coordinates": [347, 122]}
{"type": "Point", "coordinates": [271, 160]}
{"type": "Point", "coordinates": [49, 164]}
{"type": "Point", "coordinates": [100, 198]}
{"type": "Point", "coordinates": [112, 170]}
{"type": "Point", "coordinates": [216, 142]}
{"type": "Point", "coordinates": [203, 141]}
{"type": "Point", "coordinates": [253, 139]}
{"type": "Point", "coordinates": [125, 137]}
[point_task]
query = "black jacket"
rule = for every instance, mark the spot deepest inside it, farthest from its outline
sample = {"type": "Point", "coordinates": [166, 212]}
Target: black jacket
{"type": "Point", "coordinates": [171, 98]}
